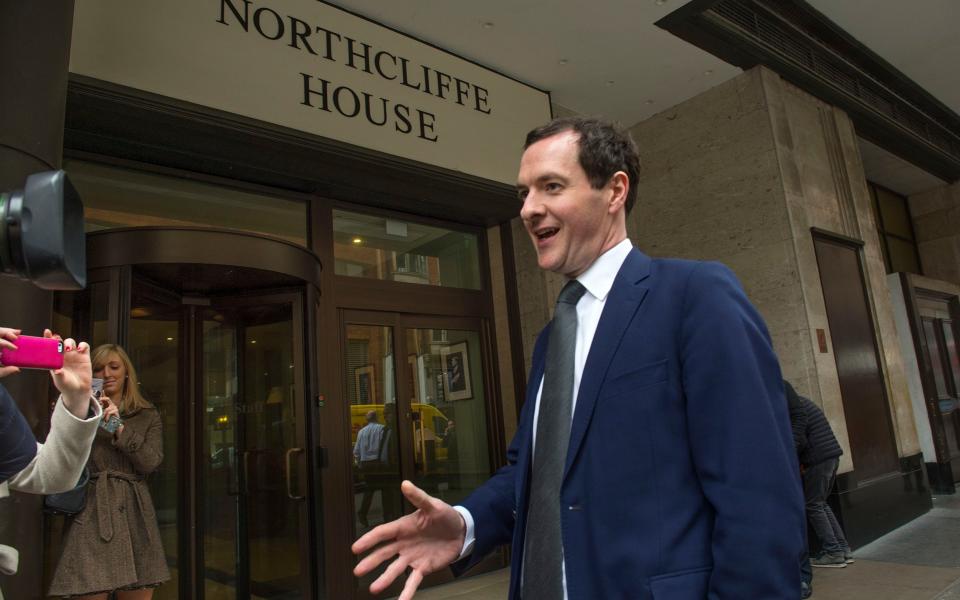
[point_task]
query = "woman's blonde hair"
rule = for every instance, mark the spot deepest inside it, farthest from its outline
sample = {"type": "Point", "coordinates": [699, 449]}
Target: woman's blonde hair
{"type": "Point", "coordinates": [130, 398]}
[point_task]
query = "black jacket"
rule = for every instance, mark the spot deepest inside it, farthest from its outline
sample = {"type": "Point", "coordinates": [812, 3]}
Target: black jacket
{"type": "Point", "coordinates": [812, 436]}
{"type": "Point", "coordinates": [17, 444]}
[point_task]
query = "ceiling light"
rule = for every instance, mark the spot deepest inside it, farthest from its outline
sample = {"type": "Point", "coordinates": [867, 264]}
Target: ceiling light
{"type": "Point", "coordinates": [649, 102]}
{"type": "Point", "coordinates": [357, 240]}
{"type": "Point", "coordinates": [487, 25]}
{"type": "Point", "coordinates": [169, 339]}
{"type": "Point", "coordinates": [708, 72]}
{"type": "Point", "coordinates": [564, 61]}
{"type": "Point", "coordinates": [610, 82]}
{"type": "Point", "coordinates": [660, 2]}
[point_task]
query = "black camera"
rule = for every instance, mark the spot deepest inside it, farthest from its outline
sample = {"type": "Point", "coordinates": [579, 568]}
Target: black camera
{"type": "Point", "coordinates": [41, 233]}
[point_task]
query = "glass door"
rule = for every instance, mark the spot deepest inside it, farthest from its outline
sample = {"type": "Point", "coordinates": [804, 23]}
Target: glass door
{"type": "Point", "coordinates": [253, 477]}
{"type": "Point", "coordinates": [417, 394]}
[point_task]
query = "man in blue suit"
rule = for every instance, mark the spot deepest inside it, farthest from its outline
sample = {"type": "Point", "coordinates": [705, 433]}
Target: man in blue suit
{"type": "Point", "coordinates": [673, 474]}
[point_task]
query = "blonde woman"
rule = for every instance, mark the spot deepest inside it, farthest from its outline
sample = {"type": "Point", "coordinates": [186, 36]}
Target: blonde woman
{"type": "Point", "coordinates": [114, 545]}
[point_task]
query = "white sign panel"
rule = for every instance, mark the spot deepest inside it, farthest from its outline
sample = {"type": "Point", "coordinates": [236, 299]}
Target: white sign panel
{"type": "Point", "coordinates": [312, 67]}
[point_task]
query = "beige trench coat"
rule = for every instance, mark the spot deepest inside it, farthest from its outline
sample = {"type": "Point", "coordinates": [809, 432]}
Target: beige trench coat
{"type": "Point", "coordinates": [114, 542]}
{"type": "Point", "coordinates": [55, 468]}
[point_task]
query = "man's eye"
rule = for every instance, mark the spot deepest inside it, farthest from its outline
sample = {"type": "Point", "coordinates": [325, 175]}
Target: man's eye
{"type": "Point", "coordinates": [552, 187]}
{"type": "Point", "coordinates": [522, 195]}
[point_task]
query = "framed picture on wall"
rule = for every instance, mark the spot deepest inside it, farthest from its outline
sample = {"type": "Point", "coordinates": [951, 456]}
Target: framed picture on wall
{"type": "Point", "coordinates": [455, 364]}
{"type": "Point", "coordinates": [366, 385]}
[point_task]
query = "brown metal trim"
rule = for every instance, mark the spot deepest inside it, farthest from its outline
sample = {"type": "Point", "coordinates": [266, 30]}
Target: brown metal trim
{"type": "Point", "coordinates": [147, 245]}
{"type": "Point", "coordinates": [513, 316]}
{"type": "Point", "coordinates": [108, 119]}
{"type": "Point", "coordinates": [391, 296]}
{"type": "Point", "coordinates": [925, 366]}
{"type": "Point", "coordinates": [857, 247]}
{"type": "Point", "coordinates": [838, 238]}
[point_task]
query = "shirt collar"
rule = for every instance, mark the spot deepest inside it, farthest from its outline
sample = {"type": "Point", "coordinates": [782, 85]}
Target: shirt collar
{"type": "Point", "coordinates": [598, 278]}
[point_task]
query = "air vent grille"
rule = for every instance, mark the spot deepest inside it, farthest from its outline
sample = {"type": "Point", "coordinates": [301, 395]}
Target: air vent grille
{"type": "Point", "coordinates": [779, 28]}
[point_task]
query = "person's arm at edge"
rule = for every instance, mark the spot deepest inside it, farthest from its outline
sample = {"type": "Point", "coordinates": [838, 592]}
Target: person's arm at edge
{"type": "Point", "coordinates": [740, 439]}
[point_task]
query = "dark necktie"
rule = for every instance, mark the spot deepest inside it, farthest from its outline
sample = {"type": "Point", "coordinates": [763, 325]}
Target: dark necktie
{"type": "Point", "coordinates": [543, 545]}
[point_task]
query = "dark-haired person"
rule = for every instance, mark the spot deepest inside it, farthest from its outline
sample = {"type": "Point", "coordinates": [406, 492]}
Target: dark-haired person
{"type": "Point", "coordinates": [54, 466]}
{"type": "Point", "coordinates": [819, 454]}
{"type": "Point", "coordinates": [696, 495]}
{"type": "Point", "coordinates": [113, 547]}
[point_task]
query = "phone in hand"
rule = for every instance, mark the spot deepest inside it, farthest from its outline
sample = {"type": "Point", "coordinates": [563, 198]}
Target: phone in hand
{"type": "Point", "coordinates": [33, 353]}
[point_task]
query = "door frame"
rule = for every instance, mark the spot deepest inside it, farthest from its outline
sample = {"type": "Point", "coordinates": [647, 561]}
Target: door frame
{"type": "Point", "coordinates": [399, 322]}
{"type": "Point", "coordinates": [111, 257]}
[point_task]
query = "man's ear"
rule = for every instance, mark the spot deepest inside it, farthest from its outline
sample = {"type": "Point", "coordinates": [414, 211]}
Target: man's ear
{"type": "Point", "coordinates": [619, 185]}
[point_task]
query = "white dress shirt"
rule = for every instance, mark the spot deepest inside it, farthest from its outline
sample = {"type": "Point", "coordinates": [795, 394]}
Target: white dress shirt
{"type": "Point", "coordinates": [598, 280]}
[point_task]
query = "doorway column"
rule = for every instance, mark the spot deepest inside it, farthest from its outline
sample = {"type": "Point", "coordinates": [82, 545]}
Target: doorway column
{"type": "Point", "coordinates": [35, 41]}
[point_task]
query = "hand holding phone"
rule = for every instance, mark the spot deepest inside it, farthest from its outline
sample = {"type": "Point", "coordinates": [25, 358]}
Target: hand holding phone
{"type": "Point", "coordinates": [29, 352]}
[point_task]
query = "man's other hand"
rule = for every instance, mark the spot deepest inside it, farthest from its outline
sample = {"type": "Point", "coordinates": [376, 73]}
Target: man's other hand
{"type": "Point", "coordinates": [425, 541]}
{"type": "Point", "coordinates": [73, 379]}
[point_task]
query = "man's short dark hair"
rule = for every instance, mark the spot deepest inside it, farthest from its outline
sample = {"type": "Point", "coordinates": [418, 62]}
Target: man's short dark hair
{"type": "Point", "coordinates": [605, 148]}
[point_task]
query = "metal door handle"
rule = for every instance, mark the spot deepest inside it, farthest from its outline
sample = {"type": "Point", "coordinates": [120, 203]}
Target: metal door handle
{"type": "Point", "coordinates": [290, 453]}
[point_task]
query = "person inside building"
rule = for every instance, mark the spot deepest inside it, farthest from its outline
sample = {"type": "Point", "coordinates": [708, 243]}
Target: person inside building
{"type": "Point", "coordinates": [113, 546]}
{"type": "Point", "coordinates": [653, 455]}
{"type": "Point", "coordinates": [368, 455]}
{"type": "Point", "coordinates": [54, 466]}
{"type": "Point", "coordinates": [819, 453]}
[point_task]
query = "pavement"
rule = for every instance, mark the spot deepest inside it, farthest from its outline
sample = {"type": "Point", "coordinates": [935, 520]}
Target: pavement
{"type": "Point", "coordinates": [919, 561]}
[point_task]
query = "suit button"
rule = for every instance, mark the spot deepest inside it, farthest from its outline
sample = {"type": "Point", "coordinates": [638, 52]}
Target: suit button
{"type": "Point", "coordinates": [574, 507]}
{"type": "Point", "coordinates": [120, 508]}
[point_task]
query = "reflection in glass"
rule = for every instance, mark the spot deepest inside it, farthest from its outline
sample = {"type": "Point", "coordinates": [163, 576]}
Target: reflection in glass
{"type": "Point", "coordinates": [447, 398]}
{"type": "Point", "coordinates": [374, 439]}
{"type": "Point", "coordinates": [389, 249]}
{"type": "Point", "coordinates": [115, 197]}
{"type": "Point", "coordinates": [252, 526]}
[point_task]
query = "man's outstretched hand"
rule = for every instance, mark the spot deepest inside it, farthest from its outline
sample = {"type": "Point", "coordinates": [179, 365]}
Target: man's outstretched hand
{"type": "Point", "coordinates": [425, 541]}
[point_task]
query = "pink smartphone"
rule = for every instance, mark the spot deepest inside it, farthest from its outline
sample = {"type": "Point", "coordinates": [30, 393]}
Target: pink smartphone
{"type": "Point", "coordinates": [33, 353]}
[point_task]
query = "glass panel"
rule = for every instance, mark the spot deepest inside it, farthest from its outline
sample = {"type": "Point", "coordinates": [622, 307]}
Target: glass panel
{"type": "Point", "coordinates": [952, 356]}
{"type": "Point", "coordinates": [936, 360]}
{"type": "Point", "coordinates": [389, 249]}
{"type": "Point", "coordinates": [373, 429]}
{"type": "Point", "coordinates": [903, 256]}
{"type": "Point", "coordinates": [221, 467]}
{"type": "Point", "coordinates": [252, 526]}
{"type": "Point", "coordinates": [896, 215]}
{"type": "Point", "coordinates": [271, 412]}
{"type": "Point", "coordinates": [115, 197]}
{"type": "Point", "coordinates": [448, 402]}
{"type": "Point", "coordinates": [154, 348]}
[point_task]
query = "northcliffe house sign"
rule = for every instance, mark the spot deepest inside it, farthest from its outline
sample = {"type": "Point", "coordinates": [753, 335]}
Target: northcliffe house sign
{"type": "Point", "coordinates": [313, 67]}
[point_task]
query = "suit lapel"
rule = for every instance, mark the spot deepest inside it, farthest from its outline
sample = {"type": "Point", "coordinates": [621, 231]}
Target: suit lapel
{"type": "Point", "coordinates": [625, 298]}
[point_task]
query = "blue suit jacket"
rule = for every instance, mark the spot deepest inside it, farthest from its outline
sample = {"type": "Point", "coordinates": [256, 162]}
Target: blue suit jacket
{"type": "Point", "coordinates": [681, 480]}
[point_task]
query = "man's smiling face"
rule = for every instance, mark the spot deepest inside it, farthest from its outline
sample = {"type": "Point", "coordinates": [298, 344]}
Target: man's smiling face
{"type": "Point", "coordinates": [570, 222]}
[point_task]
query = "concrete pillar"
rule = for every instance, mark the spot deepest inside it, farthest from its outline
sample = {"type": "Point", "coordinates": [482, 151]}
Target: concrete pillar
{"type": "Point", "coordinates": [35, 46]}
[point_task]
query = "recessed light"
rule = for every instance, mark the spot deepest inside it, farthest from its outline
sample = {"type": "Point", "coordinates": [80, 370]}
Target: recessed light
{"type": "Point", "coordinates": [660, 2]}
{"type": "Point", "coordinates": [610, 82]}
{"type": "Point", "coordinates": [708, 72]}
{"type": "Point", "coordinates": [357, 240]}
{"type": "Point", "coordinates": [169, 339]}
{"type": "Point", "coordinates": [649, 102]}
{"type": "Point", "coordinates": [564, 61]}
{"type": "Point", "coordinates": [487, 25]}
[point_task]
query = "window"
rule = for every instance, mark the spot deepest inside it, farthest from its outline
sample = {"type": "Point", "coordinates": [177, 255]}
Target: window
{"type": "Point", "coordinates": [385, 248]}
{"type": "Point", "coordinates": [114, 197]}
{"type": "Point", "coordinates": [895, 229]}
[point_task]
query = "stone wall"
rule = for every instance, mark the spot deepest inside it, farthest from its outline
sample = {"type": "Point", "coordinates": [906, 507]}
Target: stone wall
{"type": "Point", "coordinates": [936, 223]}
